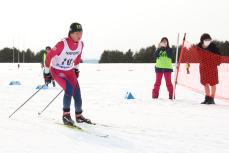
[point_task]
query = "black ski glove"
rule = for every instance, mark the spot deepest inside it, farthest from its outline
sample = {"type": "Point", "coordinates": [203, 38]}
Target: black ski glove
{"type": "Point", "coordinates": [77, 72]}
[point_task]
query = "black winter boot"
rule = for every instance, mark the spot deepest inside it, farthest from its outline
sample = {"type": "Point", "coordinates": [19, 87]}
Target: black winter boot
{"type": "Point", "coordinates": [206, 100]}
{"type": "Point", "coordinates": [211, 101]}
{"type": "Point", "coordinates": [171, 97]}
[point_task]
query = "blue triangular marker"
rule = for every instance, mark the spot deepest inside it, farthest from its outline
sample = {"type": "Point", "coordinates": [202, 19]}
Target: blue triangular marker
{"type": "Point", "coordinates": [15, 83]}
{"type": "Point", "coordinates": [129, 95]}
{"type": "Point", "coordinates": [39, 86]}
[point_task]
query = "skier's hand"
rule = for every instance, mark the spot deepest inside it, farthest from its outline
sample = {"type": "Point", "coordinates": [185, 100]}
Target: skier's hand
{"type": "Point", "coordinates": [77, 72]}
{"type": "Point", "coordinates": [46, 70]}
{"type": "Point", "coordinates": [47, 79]}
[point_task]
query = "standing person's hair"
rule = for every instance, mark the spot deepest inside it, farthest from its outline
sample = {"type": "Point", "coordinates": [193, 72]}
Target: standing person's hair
{"type": "Point", "coordinates": [205, 36]}
{"type": "Point", "coordinates": [48, 48]}
{"type": "Point", "coordinates": [166, 39]}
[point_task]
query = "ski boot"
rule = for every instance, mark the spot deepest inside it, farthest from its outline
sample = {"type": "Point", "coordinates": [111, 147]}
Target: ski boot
{"type": "Point", "coordinates": [80, 119]}
{"type": "Point", "coordinates": [67, 119]}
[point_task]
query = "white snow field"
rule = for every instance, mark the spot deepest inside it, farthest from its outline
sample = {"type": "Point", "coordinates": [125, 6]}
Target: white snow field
{"type": "Point", "coordinates": [141, 125]}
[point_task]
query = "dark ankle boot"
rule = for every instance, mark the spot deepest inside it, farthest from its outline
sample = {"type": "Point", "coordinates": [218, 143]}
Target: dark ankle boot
{"type": "Point", "coordinates": [211, 100]}
{"type": "Point", "coordinates": [206, 100]}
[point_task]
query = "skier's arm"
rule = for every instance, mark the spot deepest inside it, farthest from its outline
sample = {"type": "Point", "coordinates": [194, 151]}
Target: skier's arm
{"type": "Point", "coordinates": [53, 52]}
{"type": "Point", "coordinates": [76, 67]}
{"type": "Point", "coordinates": [77, 60]}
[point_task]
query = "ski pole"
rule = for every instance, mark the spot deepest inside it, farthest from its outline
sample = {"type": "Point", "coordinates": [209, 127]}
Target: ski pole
{"type": "Point", "coordinates": [27, 100]}
{"type": "Point", "coordinates": [39, 113]}
{"type": "Point", "coordinates": [176, 61]}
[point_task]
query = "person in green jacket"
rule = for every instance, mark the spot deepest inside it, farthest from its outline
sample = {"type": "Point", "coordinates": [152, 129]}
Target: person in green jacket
{"type": "Point", "coordinates": [46, 73]}
{"type": "Point", "coordinates": [164, 67]}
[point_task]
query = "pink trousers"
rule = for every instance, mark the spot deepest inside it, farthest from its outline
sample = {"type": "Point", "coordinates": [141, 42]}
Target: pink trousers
{"type": "Point", "coordinates": [157, 84]}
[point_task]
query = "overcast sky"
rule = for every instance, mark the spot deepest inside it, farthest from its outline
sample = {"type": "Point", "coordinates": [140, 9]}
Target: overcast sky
{"type": "Point", "coordinates": [110, 24]}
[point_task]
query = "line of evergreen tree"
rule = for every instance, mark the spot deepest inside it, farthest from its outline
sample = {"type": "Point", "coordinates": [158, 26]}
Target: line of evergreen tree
{"type": "Point", "coordinates": [145, 55]}
{"type": "Point", "coordinates": [10, 55]}
{"type": "Point", "coordinates": [223, 47]}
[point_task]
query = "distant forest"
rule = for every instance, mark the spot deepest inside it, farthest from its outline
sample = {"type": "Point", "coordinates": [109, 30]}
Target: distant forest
{"type": "Point", "coordinates": [144, 55]}
{"type": "Point", "coordinates": [14, 55]}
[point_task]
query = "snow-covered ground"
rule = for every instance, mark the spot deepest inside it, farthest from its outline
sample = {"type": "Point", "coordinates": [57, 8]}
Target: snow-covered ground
{"type": "Point", "coordinates": [142, 125]}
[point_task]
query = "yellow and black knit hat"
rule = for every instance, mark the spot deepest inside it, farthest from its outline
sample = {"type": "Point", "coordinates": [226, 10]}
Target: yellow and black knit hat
{"type": "Point", "coordinates": [75, 27]}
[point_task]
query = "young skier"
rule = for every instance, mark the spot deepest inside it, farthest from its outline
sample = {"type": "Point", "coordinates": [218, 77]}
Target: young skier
{"type": "Point", "coordinates": [65, 58]}
{"type": "Point", "coordinates": [164, 67]}
{"type": "Point", "coordinates": [209, 61]}
{"type": "Point", "coordinates": [46, 73]}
